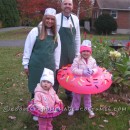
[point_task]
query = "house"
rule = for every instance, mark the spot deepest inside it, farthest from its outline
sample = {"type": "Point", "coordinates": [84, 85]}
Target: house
{"type": "Point", "coordinates": [118, 9]}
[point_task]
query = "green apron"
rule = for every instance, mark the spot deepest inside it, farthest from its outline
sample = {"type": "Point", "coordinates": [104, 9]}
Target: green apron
{"type": "Point", "coordinates": [67, 37]}
{"type": "Point", "coordinates": [42, 57]}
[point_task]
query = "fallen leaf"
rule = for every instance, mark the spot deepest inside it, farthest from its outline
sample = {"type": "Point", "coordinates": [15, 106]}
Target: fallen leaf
{"type": "Point", "coordinates": [107, 113]}
{"type": "Point", "coordinates": [105, 94]}
{"type": "Point", "coordinates": [63, 127]}
{"type": "Point", "coordinates": [94, 123]}
{"type": "Point", "coordinates": [61, 92]}
{"type": "Point", "coordinates": [106, 121]}
{"type": "Point", "coordinates": [14, 85]}
{"type": "Point", "coordinates": [21, 100]}
{"type": "Point", "coordinates": [22, 73]}
{"type": "Point", "coordinates": [111, 113]}
{"type": "Point", "coordinates": [102, 126]}
{"type": "Point", "coordinates": [19, 54]}
{"type": "Point", "coordinates": [12, 117]}
{"type": "Point", "coordinates": [102, 105]}
{"type": "Point", "coordinates": [25, 127]}
{"type": "Point", "coordinates": [1, 103]}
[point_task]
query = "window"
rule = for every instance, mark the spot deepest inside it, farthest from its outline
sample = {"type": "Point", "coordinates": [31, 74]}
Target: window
{"type": "Point", "coordinates": [113, 13]}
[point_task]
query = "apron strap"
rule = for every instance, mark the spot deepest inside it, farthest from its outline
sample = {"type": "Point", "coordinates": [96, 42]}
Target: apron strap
{"type": "Point", "coordinates": [71, 20]}
{"type": "Point", "coordinates": [38, 31]}
{"type": "Point", "coordinates": [37, 37]}
{"type": "Point", "coordinates": [61, 20]}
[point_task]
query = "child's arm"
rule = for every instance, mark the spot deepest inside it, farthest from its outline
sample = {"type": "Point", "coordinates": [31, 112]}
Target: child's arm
{"type": "Point", "coordinates": [38, 102]}
{"type": "Point", "coordinates": [57, 99]}
{"type": "Point", "coordinates": [75, 67]}
{"type": "Point", "coordinates": [56, 96]}
{"type": "Point", "coordinates": [95, 69]}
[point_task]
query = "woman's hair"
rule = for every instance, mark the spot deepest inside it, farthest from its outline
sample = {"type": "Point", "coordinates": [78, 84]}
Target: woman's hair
{"type": "Point", "coordinates": [43, 32]}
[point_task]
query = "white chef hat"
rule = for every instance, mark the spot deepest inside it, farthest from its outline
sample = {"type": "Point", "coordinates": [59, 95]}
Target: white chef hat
{"type": "Point", "coordinates": [50, 11]}
{"type": "Point", "coordinates": [70, 1]}
{"type": "Point", "coordinates": [48, 75]}
{"type": "Point", "coordinates": [86, 45]}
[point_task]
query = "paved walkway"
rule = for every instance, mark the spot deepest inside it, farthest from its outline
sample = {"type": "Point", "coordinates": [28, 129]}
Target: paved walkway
{"type": "Point", "coordinates": [20, 43]}
{"type": "Point", "coordinates": [11, 29]}
{"type": "Point", "coordinates": [9, 43]}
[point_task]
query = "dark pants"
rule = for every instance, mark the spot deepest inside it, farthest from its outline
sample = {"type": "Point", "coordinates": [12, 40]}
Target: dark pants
{"type": "Point", "coordinates": [32, 95]}
{"type": "Point", "coordinates": [56, 87]}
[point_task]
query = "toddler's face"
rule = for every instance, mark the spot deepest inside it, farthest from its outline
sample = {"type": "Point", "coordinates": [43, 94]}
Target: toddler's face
{"type": "Point", "coordinates": [85, 54]}
{"type": "Point", "coordinates": [46, 85]}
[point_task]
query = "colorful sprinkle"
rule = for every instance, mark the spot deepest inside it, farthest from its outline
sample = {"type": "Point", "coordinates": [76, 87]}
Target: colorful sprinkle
{"type": "Point", "coordinates": [79, 83]}
{"type": "Point", "coordinates": [96, 86]}
{"type": "Point", "coordinates": [82, 80]}
{"type": "Point", "coordinates": [67, 78]}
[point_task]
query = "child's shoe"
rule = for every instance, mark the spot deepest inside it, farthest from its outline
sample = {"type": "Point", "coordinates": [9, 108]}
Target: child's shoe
{"type": "Point", "coordinates": [71, 112]}
{"type": "Point", "coordinates": [91, 113]}
{"type": "Point", "coordinates": [35, 118]}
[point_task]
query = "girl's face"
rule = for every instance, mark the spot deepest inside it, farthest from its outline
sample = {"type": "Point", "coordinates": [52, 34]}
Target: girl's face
{"type": "Point", "coordinates": [49, 21]}
{"type": "Point", "coordinates": [85, 54]}
{"type": "Point", "coordinates": [46, 85]}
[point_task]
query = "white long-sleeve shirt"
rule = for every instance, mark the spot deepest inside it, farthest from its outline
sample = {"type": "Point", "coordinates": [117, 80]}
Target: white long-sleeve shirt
{"type": "Point", "coordinates": [29, 43]}
{"type": "Point", "coordinates": [68, 23]}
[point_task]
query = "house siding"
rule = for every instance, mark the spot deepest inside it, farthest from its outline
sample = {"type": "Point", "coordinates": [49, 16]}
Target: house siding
{"type": "Point", "coordinates": [123, 18]}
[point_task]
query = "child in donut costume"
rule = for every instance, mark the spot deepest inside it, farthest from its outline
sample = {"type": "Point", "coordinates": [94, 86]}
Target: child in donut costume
{"type": "Point", "coordinates": [84, 65]}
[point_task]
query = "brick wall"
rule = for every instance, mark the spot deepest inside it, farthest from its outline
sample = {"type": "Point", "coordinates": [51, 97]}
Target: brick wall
{"type": "Point", "coordinates": [123, 20]}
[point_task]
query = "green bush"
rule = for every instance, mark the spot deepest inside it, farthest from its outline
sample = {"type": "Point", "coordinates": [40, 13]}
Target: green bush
{"type": "Point", "coordinates": [9, 13]}
{"type": "Point", "coordinates": [105, 24]}
{"type": "Point", "coordinates": [119, 67]}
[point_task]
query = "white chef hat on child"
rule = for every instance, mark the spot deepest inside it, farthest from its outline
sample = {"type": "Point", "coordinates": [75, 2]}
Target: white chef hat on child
{"type": "Point", "coordinates": [50, 11]}
{"type": "Point", "coordinates": [86, 45]}
{"type": "Point", "coordinates": [48, 75]}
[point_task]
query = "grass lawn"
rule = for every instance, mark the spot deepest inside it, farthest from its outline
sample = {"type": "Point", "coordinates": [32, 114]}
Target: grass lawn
{"type": "Point", "coordinates": [14, 97]}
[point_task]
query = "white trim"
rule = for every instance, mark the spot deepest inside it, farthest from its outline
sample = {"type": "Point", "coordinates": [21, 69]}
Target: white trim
{"type": "Point", "coordinates": [115, 9]}
{"type": "Point", "coordinates": [114, 12]}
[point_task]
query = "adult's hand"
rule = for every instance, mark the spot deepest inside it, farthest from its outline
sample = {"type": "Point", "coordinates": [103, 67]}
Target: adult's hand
{"type": "Point", "coordinates": [26, 72]}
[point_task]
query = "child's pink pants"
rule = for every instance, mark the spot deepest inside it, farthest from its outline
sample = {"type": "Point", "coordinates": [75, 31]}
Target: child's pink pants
{"type": "Point", "coordinates": [45, 124]}
{"type": "Point", "coordinates": [77, 99]}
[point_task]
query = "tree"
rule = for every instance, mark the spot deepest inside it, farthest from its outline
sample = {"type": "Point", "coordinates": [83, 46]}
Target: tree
{"type": "Point", "coordinates": [83, 8]}
{"type": "Point", "coordinates": [31, 12]}
{"type": "Point", "coordinates": [29, 8]}
{"type": "Point", "coordinates": [105, 24]}
{"type": "Point", "coordinates": [9, 13]}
